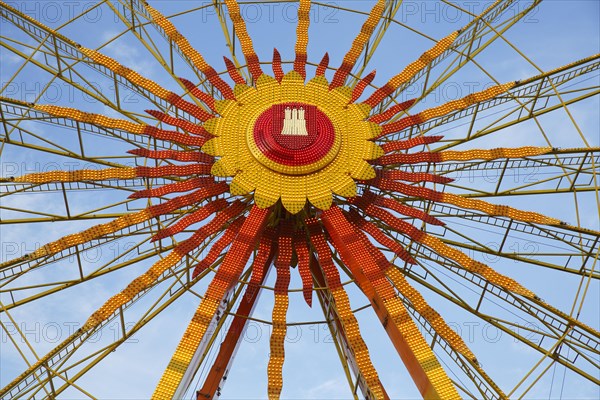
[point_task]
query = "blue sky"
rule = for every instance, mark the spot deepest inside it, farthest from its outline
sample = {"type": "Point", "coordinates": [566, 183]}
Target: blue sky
{"type": "Point", "coordinates": [555, 34]}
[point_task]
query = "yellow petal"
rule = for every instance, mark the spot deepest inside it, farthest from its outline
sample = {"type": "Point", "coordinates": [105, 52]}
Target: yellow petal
{"type": "Point", "coordinates": [318, 188]}
{"type": "Point", "coordinates": [238, 90]}
{"type": "Point", "coordinates": [361, 170]}
{"type": "Point", "coordinates": [318, 82]}
{"type": "Point", "coordinates": [292, 77]}
{"type": "Point", "coordinates": [226, 166]}
{"type": "Point", "coordinates": [371, 151]}
{"type": "Point", "coordinates": [374, 130]}
{"type": "Point", "coordinates": [344, 186]}
{"type": "Point", "coordinates": [268, 189]}
{"type": "Point", "coordinates": [223, 106]}
{"type": "Point", "coordinates": [293, 193]}
{"type": "Point", "coordinates": [343, 92]}
{"type": "Point", "coordinates": [244, 181]}
{"type": "Point", "coordinates": [213, 147]}
{"type": "Point", "coordinates": [265, 81]}
{"type": "Point", "coordinates": [360, 110]}
{"type": "Point", "coordinates": [212, 125]}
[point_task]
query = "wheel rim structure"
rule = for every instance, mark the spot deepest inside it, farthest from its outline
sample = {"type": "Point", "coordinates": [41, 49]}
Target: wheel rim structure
{"type": "Point", "coordinates": [446, 244]}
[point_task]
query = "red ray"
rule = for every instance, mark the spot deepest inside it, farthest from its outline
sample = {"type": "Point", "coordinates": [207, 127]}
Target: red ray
{"type": "Point", "coordinates": [392, 204]}
{"type": "Point", "coordinates": [216, 249]}
{"type": "Point", "coordinates": [317, 238]}
{"type": "Point", "coordinates": [412, 176]}
{"type": "Point", "coordinates": [182, 201]}
{"type": "Point", "coordinates": [323, 65]}
{"type": "Point", "coordinates": [304, 265]}
{"type": "Point", "coordinates": [396, 223]}
{"type": "Point", "coordinates": [185, 156]}
{"type": "Point", "coordinates": [402, 123]}
{"type": "Point", "coordinates": [204, 97]}
{"type": "Point", "coordinates": [277, 70]}
{"type": "Point", "coordinates": [420, 192]}
{"type": "Point", "coordinates": [266, 250]}
{"type": "Point", "coordinates": [390, 112]}
{"type": "Point", "coordinates": [193, 218]}
{"type": "Point", "coordinates": [180, 123]}
{"type": "Point", "coordinates": [361, 86]}
{"type": "Point", "coordinates": [237, 256]}
{"type": "Point", "coordinates": [184, 186]}
{"type": "Point", "coordinates": [233, 72]}
{"type": "Point", "coordinates": [191, 108]}
{"type": "Point", "coordinates": [380, 237]}
{"type": "Point", "coordinates": [284, 245]}
{"type": "Point", "coordinates": [218, 221]}
{"type": "Point", "coordinates": [174, 136]}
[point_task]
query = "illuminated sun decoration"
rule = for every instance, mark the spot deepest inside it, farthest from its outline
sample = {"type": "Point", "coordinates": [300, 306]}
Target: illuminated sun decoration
{"type": "Point", "coordinates": [292, 169]}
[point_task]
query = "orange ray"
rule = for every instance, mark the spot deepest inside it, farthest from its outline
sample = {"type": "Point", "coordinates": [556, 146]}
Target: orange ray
{"type": "Point", "coordinates": [357, 46]}
{"type": "Point", "coordinates": [466, 155]}
{"type": "Point", "coordinates": [184, 186]}
{"type": "Point", "coordinates": [180, 123]}
{"type": "Point", "coordinates": [147, 84]}
{"type": "Point", "coordinates": [277, 354]}
{"type": "Point", "coordinates": [227, 349]}
{"type": "Point", "coordinates": [445, 109]}
{"type": "Point", "coordinates": [190, 52]}
{"type": "Point", "coordinates": [396, 175]}
{"type": "Point", "coordinates": [127, 220]}
{"type": "Point", "coordinates": [343, 309]}
{"type": "Point", "coordinates": [380, 237]}
{"type": "Point", "coordinates": [114, 173]}
{"type": "Point", "coordinates": [415, 352]}
{"type": "Point", "coordinates": [422, 307]}
{"type": "Point", "coordinates": [302, 37]}
{"type": "Point", "coordinates": [215, 251]}
{"type": "Point", "coordinates": [439, 247]}
{"type": "Point", "coordinates": [121, 124]}
{"type": "Point", "coordinates": [411, 70]}
{"type": "Point", "coordinates": [192, 218]}
{"type": "Point", "coordinates": [148, 278]}
{"type": "Point", "coordinates": [412, 295]}
{"type": "Point", "coordinates": [78, 175]}
{"type": "Point", "coordinates": [473, 204]}
{"type": "Point", "coordinates": [239, 26]}
{"type": "Point", "coordinates": [226, 276]}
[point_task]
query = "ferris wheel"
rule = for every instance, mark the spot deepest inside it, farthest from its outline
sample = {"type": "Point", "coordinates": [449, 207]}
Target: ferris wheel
{"type": "Point", "coordinates": [396, 201]}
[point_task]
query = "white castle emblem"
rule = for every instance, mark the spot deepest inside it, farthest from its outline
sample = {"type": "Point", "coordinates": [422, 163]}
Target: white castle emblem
{"type": "Point", "coordinates": [294, 123]}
